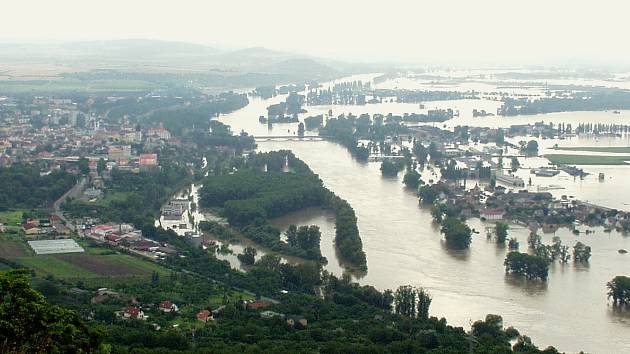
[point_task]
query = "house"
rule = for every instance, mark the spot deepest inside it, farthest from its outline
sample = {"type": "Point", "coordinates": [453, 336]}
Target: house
{"type": "Point", "coordinates": [492, 214]}
{"type": "Point", "coordinates": [31, 229]}
{"type": "Point", "coordinates": [148, 160]}
{"type": "Point", "coordinates": [295, 320]}
{"type": "Point", "coordinates": [133, 313]}
{"type": "Point", "coordinates": [204, 316]}
{"type": "Point", "coordinates": [256, 305]}
{"type": "Point", "coordinates": [167, 306]}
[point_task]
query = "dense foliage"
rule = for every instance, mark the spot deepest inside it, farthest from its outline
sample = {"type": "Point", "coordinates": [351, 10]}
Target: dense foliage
{"type": "Point", "coordinates": [619, 290]}
{"type": "Point", "coordinates": [29, 324]}
{"type": "Point", "coordinates": [456, 233]}
{"type": "Point", "coordinates": [22, 186]}
{"type": "Point", "coordinates": [532, 267]}
{"type": "Point", "coordinates": [269, 185]}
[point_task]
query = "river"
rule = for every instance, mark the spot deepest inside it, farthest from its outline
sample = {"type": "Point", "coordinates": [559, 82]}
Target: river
{"type": "Point", "coordinates": [403, 246]}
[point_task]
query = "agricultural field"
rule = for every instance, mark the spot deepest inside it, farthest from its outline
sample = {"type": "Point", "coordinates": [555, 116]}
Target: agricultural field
{"type": "Point", "coordinates": [605, 149]}
{"type": "Point", "coordinates": [587, 160]}
{"type": "Point", "coordinates": [11, 218]}
{"type": "Point", "coordinates": [12, 246]}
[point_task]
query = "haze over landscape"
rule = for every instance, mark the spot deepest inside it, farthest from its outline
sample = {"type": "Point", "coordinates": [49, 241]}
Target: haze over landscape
{"type": "Point", "coordinates": [314, 177]}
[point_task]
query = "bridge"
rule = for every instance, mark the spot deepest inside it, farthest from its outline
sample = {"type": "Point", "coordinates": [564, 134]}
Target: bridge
{"type": "Point", "coordinates": [292, 138]}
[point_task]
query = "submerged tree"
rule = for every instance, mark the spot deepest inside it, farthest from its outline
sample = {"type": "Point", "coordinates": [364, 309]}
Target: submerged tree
{"type": "Point", "coordinates": [619, 290]}
{"type": "Point", "coordinates": [581, 252]}
{"type": "Point", "coordinates": [501, 230]}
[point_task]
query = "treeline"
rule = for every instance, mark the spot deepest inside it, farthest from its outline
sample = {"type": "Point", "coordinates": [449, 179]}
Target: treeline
{"type": "Point", "coordinates": [273, 184]}
{"type": "Point", "coordinates": [600, 128]}
{"type": "Point", "coordinates": [419, 96]}
{"type": "Point", "coordinates": [598, 100]}
{"type": "Point", "coordinates": [180, 121]}
{"type": "Point", "coordinates": [134, 197]}
{"type": "Point", "coordinates": [22, 186]}
{"type": "Point", "coordinates": [349, 130]}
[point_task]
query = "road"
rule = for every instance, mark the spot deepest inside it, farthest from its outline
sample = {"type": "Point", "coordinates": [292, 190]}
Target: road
{"type": "Point", "coordinates": [73, 192]}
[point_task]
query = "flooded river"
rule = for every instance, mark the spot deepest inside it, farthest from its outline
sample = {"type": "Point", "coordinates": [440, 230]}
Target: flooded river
{"type": "Point", "coordinates": [403, 246]}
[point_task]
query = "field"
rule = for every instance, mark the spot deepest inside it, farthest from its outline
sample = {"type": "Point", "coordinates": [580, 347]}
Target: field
{"type": "Point", "coordinates": [73, 266]}
{"type": "Point", "coordinates": [11, 218]}
{"type": "Point", "coordinates": [610, 149]}
{"type": "Point", "coordinates": [96, 263]}
{"type": "Point", "coordinates": [69, 85]}
{"type": "Point", "coordinates": [587, 160]}
{"type": "Point", "coordinates": [12, 246]}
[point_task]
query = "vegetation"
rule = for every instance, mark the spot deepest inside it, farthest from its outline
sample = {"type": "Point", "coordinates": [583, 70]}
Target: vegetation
{"type": "Point", "coordinates": [248, 256]}
{"type": "Point", "coordinates": [600, 99]}
{"type": "Point", "coordinates": [31, 325]}
{"type": "Point", "coordinates": [501, 230]}
{"type": "Point", "coordinates": [619, 290]}
{"type": "Point", "coordinates": [610, 149]}
{"type": "Point", "coordinates": [134, 197]}
{"type": "Point", "coordinates": [412, 179]}
{"type": "Point", "coordinates": [22, 187]}
{"type": "Point", "coordinates": [581, 253]}
{"type": "Point", "coordinates": [560, 159]}
{"type": "Point", "coordinates": [261, 189]}
{"type": "Point", "coordinates": [391, 167]}
{"type": "Point", "coordinates": [532, 267]}
{"type": "Point", "coordinates": [456, 233]}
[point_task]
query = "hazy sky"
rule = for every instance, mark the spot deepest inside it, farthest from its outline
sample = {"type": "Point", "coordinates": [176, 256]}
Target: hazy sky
{"type": "Point", "coordinates": [469, 30]}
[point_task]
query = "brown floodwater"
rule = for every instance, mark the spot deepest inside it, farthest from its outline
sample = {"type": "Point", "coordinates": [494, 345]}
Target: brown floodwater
{"type": "Point", "coordinates": [403, 246]}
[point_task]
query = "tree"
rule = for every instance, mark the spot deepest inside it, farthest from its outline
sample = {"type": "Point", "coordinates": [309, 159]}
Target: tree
{"type": "Point", "coordinates": [581, 252]}
{"type": "Point", "coordinates": [301, 129]}
{"type": "Point", "coordinates": [291, 235]}
{"type": "Point", "coordinates": [248, 256]}
{"type": "Point", "coordinates": [501, 230]}
{"type": "Point", "coordinates": [412, 179]}
{"type": "Point", "coordinates": [532, 267]}
{"type": "Point", "coordinates": [515, 164]}
{"type": "Point", "coordinates": [101, 166]}
{"type": "Point", "coordinates": [531, 148]}
{"type": "Point", "coordinates": [84, 165]}
{"type": "Point", "coordinates": [424, 302]}
{"type": "Point", "coordinates": [31, 325]}
{"type": "Point", "coordinates": [390, 168]}
{"type": "Point", "coordinates": [619, 290]}
{"type": "Point", "coordinates": [405, 301]}
{"type": "Point", "coordinates": [456, 233]}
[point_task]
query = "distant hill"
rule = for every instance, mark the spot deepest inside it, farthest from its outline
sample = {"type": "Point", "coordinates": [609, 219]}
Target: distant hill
{"type": "Point", "coordinates": [305, 66]}
{"type": "Point", "coordinates": [139, 48]}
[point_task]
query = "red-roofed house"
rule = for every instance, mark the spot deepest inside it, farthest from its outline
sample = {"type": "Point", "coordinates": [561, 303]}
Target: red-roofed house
{"type": "Point", "coordinates": [204, 316]}
{"type": "Point", "coordinates": [133, 313]}
{"type": "Point", "coordinates": [258, 305]}
{"type": "Point", "coordinates": [167, 306]}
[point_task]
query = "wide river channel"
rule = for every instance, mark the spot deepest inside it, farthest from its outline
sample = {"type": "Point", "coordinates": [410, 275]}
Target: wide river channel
{"type": "Point", "coordinates": [403, 246]}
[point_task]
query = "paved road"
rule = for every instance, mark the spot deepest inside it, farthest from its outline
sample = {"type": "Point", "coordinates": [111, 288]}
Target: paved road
{"type": "Point", "coordinates": [73, 192]}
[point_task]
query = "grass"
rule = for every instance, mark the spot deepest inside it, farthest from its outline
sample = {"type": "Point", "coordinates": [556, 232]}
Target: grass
{"type": "Point", "coordinates": [611, 149]}
{"type": "Point", "coordinates": [52, 265]}
{"type": "Point", "coordinates": [11, 218]}
{"type": "Point", "coordinates": [587, 160]}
